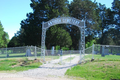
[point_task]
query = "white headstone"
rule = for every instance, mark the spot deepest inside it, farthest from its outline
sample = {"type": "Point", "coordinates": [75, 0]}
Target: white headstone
{"type": "Point", "coordinates": [52, 50]}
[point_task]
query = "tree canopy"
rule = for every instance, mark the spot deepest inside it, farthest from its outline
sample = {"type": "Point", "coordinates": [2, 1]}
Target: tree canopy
{"type": "Point", "coordinates": [102, 24]}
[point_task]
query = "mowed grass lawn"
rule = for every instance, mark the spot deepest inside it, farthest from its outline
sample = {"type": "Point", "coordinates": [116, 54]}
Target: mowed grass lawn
{"type": "Point", "coordinates": [18, 64]}
{"type": "Point", "coordinates": [102, 68]}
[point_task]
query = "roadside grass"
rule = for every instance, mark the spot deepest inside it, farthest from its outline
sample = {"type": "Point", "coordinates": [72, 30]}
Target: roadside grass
{"type": "Point", "coordinates": [18, 65]}
{"type": "Point", "coordinates": [102, 68]}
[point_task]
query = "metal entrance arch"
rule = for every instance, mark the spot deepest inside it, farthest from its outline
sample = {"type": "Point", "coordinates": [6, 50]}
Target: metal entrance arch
{"type": "Point", "coordinates": [63, 20]}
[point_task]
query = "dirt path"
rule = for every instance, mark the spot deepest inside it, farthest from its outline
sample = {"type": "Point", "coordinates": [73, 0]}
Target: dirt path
{"type": "Point", "coordinates": [50, 71]}
{"type": "Point", "coordinates": [13, 76]}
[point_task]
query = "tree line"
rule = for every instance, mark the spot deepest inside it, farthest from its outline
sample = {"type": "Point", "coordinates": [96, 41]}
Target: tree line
{"type": "Point", "coordinates": [102, 24]}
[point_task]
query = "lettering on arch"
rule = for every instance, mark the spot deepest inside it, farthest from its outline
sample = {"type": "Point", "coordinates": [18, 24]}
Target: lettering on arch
{"type": "Point", "coordinates": [64, 20]}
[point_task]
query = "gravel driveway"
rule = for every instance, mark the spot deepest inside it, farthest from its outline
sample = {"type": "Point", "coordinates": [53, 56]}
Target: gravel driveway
{"type": "Point", "coordinates": [49, 71]}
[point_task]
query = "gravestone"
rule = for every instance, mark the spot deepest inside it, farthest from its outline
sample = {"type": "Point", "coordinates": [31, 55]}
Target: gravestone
{"type": "Point", "coordinates": [61, 52]}
{"type": "Point", "coordinates": [52, 50]}
{"type": "Point", "coordinates": [28, 52]}
{"type": "Point", "coordinates": [106, 51]}
{"type": "Point", "coordinates": [103, 54]}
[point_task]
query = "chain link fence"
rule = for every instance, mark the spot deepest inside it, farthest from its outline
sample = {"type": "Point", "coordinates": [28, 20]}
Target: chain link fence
{"type": "Point", "coordinates": [62, 56]}
{"type": "Point", "coordinates": [20, 52]}
{"type": "Point", "coordinates": [107, 50]}
{"type": "Point", "coordinates": [89, 53]}
{"type": "Point", "coordinates": [101, 50]}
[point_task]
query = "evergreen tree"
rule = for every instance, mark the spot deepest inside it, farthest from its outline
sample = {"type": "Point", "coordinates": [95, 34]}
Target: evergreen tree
{"type": "Point", "coordinates": [116, 9]}
{"type": "Point", "coordinates": [84, 10]}
{"type": "Point", "coordinates": [111, 37]}
{"type": "Point", "coordinates": [43, 10]}
{"type": "Point", "coordinates": [106, 18]}
{"type": "Point", "coordinates": [109, 25]}
{"type": "Point", "coordinates": [4, 38]}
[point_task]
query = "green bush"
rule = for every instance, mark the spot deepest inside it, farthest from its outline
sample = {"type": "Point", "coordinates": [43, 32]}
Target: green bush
{"type": "Point", "coordinates": [57, 47]}
{"type": "Point", "coordinates": [65, 48]}
{"type": "Point", "coordinates": [88, 44]}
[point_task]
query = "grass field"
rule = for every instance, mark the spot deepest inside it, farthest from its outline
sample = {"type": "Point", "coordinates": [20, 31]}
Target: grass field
{"type": "Point", "coordinates": [12, 55]}
{"type": "Point", "coordinates": [107, 57]}
{"type": "Point", "coordinates": [2, 55]}
{"type": "Point", "coordinates": [16, 56]}
{"type": "Point", "coordinates": [18, 65]}
{"type": "Point", "coordinates": [47, 58]}
{"type": "Point", "coordinates": [103, 68]}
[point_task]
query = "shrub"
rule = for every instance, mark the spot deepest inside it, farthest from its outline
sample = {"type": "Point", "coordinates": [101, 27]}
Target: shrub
{"type": "Point", "coordinates": [65, 48]}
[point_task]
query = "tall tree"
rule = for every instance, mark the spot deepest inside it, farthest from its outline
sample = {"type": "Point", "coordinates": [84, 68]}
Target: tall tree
{"type": "Point", "coordinates": [106, 20]}
{"type": "Point", "coordinates": [111, 37]}
{"type": "Point", "coordinates": [4, 38]}
{"type": "Point", "coordinates": [83, 10]}
{"type": "Point", "coordinates": [108, 23]}
{"type": "Point", "coordinates": [43, 10]}
{"type": "Point", "coordinates": [116, 9]}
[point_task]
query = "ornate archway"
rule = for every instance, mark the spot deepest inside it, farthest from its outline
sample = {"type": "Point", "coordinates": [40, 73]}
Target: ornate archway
{"type": "Point", "coordinates": [63, 20]}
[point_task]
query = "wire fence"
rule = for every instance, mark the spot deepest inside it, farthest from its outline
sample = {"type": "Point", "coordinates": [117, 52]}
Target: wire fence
{"type": "Point", "coordinates": [60, 56]}
{"type": "Point", "coordinates": [17, 52]}
{"type": "Point", "coordinates": [68, 56]}
{"type": "Point", "coordinates": [98, 51]}
{"type": "Point", "coordinates": [107, 50]}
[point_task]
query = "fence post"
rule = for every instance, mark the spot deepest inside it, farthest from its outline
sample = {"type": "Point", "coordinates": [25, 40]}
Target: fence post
{"type": "Point", "coordinates": [61, 55]}
{"type": "Point", "coordinates": [35, 53]}
{"type": "Point", "coordinates": [103, 54]}
{"type": "Point", "coordinates": [70, 56]}
{"type": "Point", "coordinates": [53, 50]}
{"type": "Point", "coordinates": [80, 57]}
{"type": "Point", "coordinates": [6, 53]}
{"type": "Point", "coordinates": [93, 51]}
